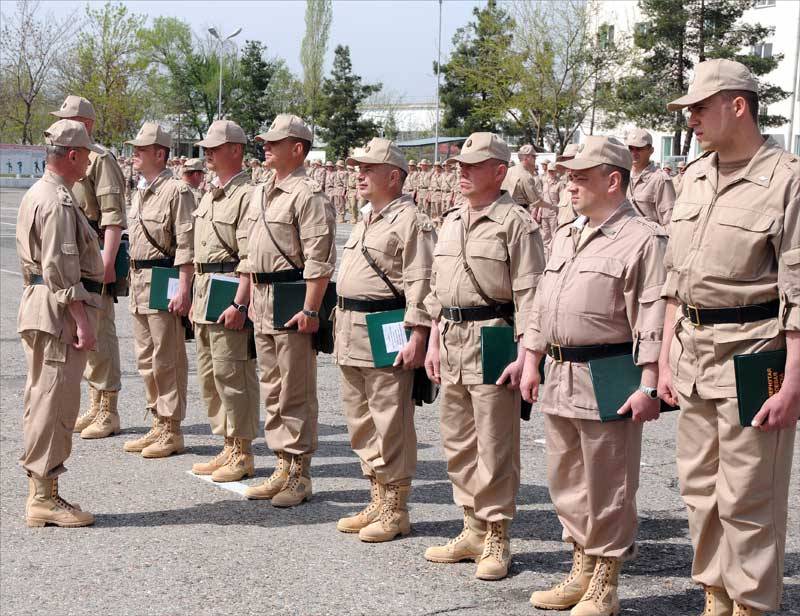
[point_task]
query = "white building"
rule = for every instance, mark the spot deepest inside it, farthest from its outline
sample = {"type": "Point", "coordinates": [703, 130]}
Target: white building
{"type": "Point", "coordinates": [781, 15]}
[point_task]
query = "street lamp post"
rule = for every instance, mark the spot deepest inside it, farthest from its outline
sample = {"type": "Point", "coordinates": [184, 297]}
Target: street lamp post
{"type": "Point", "coordinates": [222, 41]}
{"type": "Point", "coordinates": [438, 86]}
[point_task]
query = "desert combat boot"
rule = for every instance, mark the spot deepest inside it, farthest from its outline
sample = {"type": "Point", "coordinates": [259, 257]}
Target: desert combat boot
{"type": "Point", "coordinates": [568, 592]}
{"type": "Point", "coordinates": [275, 482]}
{"type": "Point", "coordinates": [393, 518]}
{"type": "Point", "coordinates": [496, 556]}
{"type": "Point", "coordinates": [44, 506]}
{"type": "Point", "coordinates": [106, 422]}
{"type": "Point", "coordinates": [239, 465]}
{"type": "Point", "coordinates": [718, 603]}
{"type": "Point", "coordinates": [468, 545]}
{"type": "Point", "coordinates": [367, 515]}
{"type": "Point", "coordinates": [218, 461]}
{"type": "Point", "coordinates": [94, 408]}
{"type": "Point", "coordinates": [745, 610]}
{"type": "Point", "coordinates": [137, 445]}
{"type": "Point", "coordinates": [601, 599]}
{"type": "Point", "coordinates": [169, 441]}
{"type": "Point", "coordinates": [298, 487]}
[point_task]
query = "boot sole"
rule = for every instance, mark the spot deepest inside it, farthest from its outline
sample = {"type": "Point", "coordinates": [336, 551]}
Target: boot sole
{"type": "Point", "coordinates": [552, 606]}
{"type": "Point", "coordinates": [171, 453]}
{"type": "Point", "coordinates": [39, 523]}
{"type": "Point", "coordinates": [203, 473]}
{"type": "Point", "coordinates": [384, 540]}
{"type": "Point", "coordinates": [96, 436]}
{"type": "Point", "coordinates": [453, 561]}
{"type": "Point", "coordinates": [290, 505]}
{"type": "Point", "coordinates": [230, 479]}
{"type": "Point", "coordinates": [491, 578]}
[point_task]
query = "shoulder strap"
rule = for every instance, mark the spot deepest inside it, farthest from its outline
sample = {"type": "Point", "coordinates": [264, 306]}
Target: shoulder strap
{"type": "Point", "coordinates": [381, 274]}
{"type": "Point", "coordinates": [231, 252]}
{"type": "Point", "coordinates": [150, 239]}
{"type": "Point", "coordinates": [269, 232]}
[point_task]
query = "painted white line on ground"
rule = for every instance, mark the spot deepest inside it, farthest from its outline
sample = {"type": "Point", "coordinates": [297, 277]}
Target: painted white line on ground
{"type": "Point", "coordinates": [539, 441]}
{"type": "Point", "coordinates": [232, 486]}
{"type": "Point", "coordinates": [5, 271]}
{"type": "Point", "coordinates": [9, 224]}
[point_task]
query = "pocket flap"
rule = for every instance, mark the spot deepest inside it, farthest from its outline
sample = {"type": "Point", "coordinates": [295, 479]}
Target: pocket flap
{"type": "Point", "coordinates": [555, 263]}
{"type": "Point", "coordinates": [686, 211]}
{"type": "Point", "coordinates": [351, 242]}
{"type": "Point", "coordinates": [382, 244]}
{"type": "Point", "coordinates": [609, 267]}
{"type": "Point", "coordinates": [447, 248]}
{"type": "Point", "coordinates": [69, 248]}
{"type": "Point", "coordinates": [743, 219]}
{"type": "Point", "coordinates": [282, 216]}
{"type": "Point", "coordinates": [226, 215]}
{"type": "Point", "coordinates": [792, 257]}
{"type": "Point", "coordinates": [486, 249]}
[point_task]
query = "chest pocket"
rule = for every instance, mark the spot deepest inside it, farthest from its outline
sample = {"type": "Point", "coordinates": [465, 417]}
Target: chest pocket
{"type": "Point", "coordinates": [446, 254]}
{"type": "Point", "coordinates": [684, 225]}
{"type": "Point", "coordinates": [281, 223]}
{"type": "Point", "coordinates": [738, 244]}
{"type": "Point", "coordinates": [489, 262]}
{"type": "Point", "coordinates": [385, 250]}
{"type": "Point", "coordinates": [598, 288]}
{"type": "Point", "coordinates": [549, 281]}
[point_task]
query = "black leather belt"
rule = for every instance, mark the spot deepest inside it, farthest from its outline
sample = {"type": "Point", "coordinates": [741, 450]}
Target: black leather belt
{"type": "Point", "coordinates": [90, 285]}
{"type": "Point", "coordinates": [478, 313]}
{"type": "Point", "coordinates": [588, 353]}
{"type": "Point", "coordinates": [220, 267]}
{"type": "Point", "coordinates": [370, 305]}
{"type": "Point", "coordinates": [139, 264]}
{"type": "Point", "coordinates": [736, 314]}
{"type": "Point", "coordinates": [289, 275]}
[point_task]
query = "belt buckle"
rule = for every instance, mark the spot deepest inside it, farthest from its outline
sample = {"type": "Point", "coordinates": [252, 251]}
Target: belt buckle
{"type": "Point", "coordinates": [253, 278]}
{"type": "Point", "coordinates": [555, 353]}
{"type": "Point", "coordinates": [340, 302]}
{"type": "Point", "coordinates": [693, 315]}
{"type": "Point", "coordinates": [456, 314]}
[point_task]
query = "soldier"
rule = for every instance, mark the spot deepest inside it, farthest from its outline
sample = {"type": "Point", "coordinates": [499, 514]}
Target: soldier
{"type": "Point", "coordinates": [339, 189]}
{"type": "Point", "coordinates": [255, 171]}
{"type": "Point", "coordinates": [423, 185]}
{"type": "Point", "coordinates": [650, 191]}
{"type": "Point", "coordinates": [386, 265]}
{"type": "Point", "coordinates": [161, 236]}
{"type": "Point", "coordinates": [524, 187]}
{"type": "Point", "coordinates": [599, 297]}
{"type": "Point", "coordinates": [409, 187]}
{"type": "Point", "coordinates": [450, 186]}
{"type": "Point", "coordinates": [226, 364]}
{"type": "Point", "coordinates": [733, 287]}
{"type": "Point", "coordinates": [63, 275]}
{"type": "Point", "coordinates": [435, 189]}
{"type": "Point", "coordinates": [318, 173]}
{"type": "Point", "coordinates": [566, 213]}
{"type": "Point", "coordinates": [129, 176]}
{"type": "Point", "coordinates": [487, 262]}
{"type": "Point", "coordinates": [101, 196]}
{"type": "Point", "coordinates": [192, 176]}
{"type": "Point", "coordinates": [291, 237]}
{"type": "Point", "coordinates": [552, 187]}
{"type": "Point", "coordinates": [677, 180]}
{"type": "Point", "coordinates": [330, 178]}
{"type": "Point", "coordinates": [352, 193]}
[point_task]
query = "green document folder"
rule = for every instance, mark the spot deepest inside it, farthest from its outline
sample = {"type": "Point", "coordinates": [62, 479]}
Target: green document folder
{"type": "Point", "coordinates": [386, 335]}
{"type": "Point", "coordinates": [122, 262]}
{"type": "Point", "coordinates": [758, 376]}
{"type": "Point", "coordinates": [614, 379]}
{"type": "Point", "coordinates": [161, 287]}
{"type": "Point", "coordinates": [289, 298]}
{"type": "Point", "coordinates": [221, 292]}
{"type": "Point", "coordinates": [498, 349]}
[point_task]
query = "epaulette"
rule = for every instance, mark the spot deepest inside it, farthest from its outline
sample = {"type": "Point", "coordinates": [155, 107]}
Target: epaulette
{"type": "Point", "coordinates": [64, 196]}
{"type": "Point", "coordinates": [312, 184]}
{"type": "Point", "coordinates": [455, 208]}
{"type": "Point", "coordinates": [653, 227]}
{"type": "Point", "coordinates": [424, 222]}
{"type": "Point", "coordinates": [524, 216]}
{"type": "Point", "coordinates": [182, 186]}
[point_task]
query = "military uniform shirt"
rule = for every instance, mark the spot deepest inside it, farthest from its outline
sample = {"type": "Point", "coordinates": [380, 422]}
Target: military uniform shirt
{"type": "Point", "coordinates": [652, 195]}
{"type": "Point", "coordinates": [101, 192]}
{"type": "Point", "coordinates": [521, 186]}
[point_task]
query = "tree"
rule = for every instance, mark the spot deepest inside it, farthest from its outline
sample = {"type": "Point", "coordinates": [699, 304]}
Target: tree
{"type": "Point", "coordinates": [673, 36]}
{"type": "Point", "coordinates": [28, 50]}
{"type": "Point", "coordinates": [319, 15]}
{"type": "Point", "coordinates": [339, 116]}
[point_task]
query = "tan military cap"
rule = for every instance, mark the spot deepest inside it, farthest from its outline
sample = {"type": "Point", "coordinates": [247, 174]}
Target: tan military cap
{"type": "Point", "coordinates": [480, 147]}
{"type": "Point", "coordinates": [639, 138]}
{"type": "Point", "coordinates": [682, 164]}
{"type": "Point", "coordinates": [222, 131]}
{"type": "Point", "coordinates": [714, 76]}
{"type": "Point", "coordinates": [424, 161]}
{"type": "Point", "coordinates": [598, 150]}
{"type": "Point", "coordinates": [75, 107]}
{"type": "Point", "coordinates": [70, 134]}
{"type": "Point", "coordinates": [380, 151]}
{"type": "Point", "coordinates": [329, 163]}
{"type": "Point", "coordinates": [286, 125]}
{"type": "Point", "coordinates": [412, 163]}
{"type": "Point", "coordinates": [340, 163]}
{"type": "Point", "coordinates": [151, 133]}
{"type": "Point", "coordinates": [527, 150]}
{"type": "Point", "coordinates": [193, 164]}
{"type": "Point", "coordinates": [569, 152]}
{"type": "Point", "coordinates": [350, 168]}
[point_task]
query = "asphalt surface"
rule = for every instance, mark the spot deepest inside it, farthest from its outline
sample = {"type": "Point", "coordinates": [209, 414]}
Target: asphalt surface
{"type": "Point", "coordinates": [169, 543]}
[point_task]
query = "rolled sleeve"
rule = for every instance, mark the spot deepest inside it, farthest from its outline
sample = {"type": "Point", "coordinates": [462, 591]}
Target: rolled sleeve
{"type": "Point", "coordinates": [789, 268]}
{"type": "Point", "coordinates": [645, 307]}
{"type": "Point", "coordinates": [184, 226]}
{"type": "Point", "coordinates": [109, 188]}
{"type": "Point", "coordinates": [526, 261]}
{"type": "Point", "coordinates": [317, 232]}
{"type": "Point", "coordinates": [417, 266]}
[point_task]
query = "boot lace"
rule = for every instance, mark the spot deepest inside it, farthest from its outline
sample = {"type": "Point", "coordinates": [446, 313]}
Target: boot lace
{"type": "Point", "coordinates": [280, 470]}
{"type": "Point", "coordinates": [600, 578]}
{"type": "Point", "coordinates": [577, 566]}
{"type": "Point", "coordinates": [389, 505]}
{"type": "Point", "coordinates": [494, 541]}
{"type": "Point", "coordinates": [61, 502]}
{"type": "Point", "coordinates": [374, 502]}
{"type": "Point", "coordinates": [164, 435]}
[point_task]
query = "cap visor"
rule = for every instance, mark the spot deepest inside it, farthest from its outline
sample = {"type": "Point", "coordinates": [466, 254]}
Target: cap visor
{"type": "Point", "coordinates": [95, 148]}
{"type": "Point", "coordinates": [61, 114]}
{"type": "Point", "coordinates": [209, 143]}
{"type": "Point", "coordinates": [272, 135]}
{"type": "Point", "coordinates": [140, 143]}
{"type": "Point", "coordinates": [470, 158]}
{"type": "Point", "coordinates": [690, 99]}
{"type": "Point", "coordinates": [637, 144]}
{"type": "Point", "coordinates": [579, 164]}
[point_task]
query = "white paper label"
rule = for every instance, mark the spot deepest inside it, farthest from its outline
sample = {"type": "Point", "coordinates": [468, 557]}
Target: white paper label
{"type": "Point", "coordinates": [394, 336]}
{"type": "Point", "coordinates": [172, 287]}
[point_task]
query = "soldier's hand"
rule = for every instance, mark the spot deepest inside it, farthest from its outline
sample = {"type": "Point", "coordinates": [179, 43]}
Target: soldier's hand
{"type": "Point", "coordinates": [86, 338]}
{"type": "Point", "coordinates": [109, 274]}
{"type": "Point", "coordinates": [529, 383]}
{"type": "Point", "coordinates": [432, 365]}
{"type": "Point", "coordinates": [181, 303]}
{"type": "Point", "coordinates": [512, 373]}
{"type": "Point", "coordinates": [305, 324]}
{"type": "Point", "coordinates": [536, 214]}
{"type": "Point", "coordinates": [642, 407]}
{"type": "Point", "coordinates": [412, 355]}
{"type": "Point", "coordinates": [780, 411]}
{"type": "Point", "coordinates": [666, 389]}
{"type": "Point", "coordinates": [232, 318]}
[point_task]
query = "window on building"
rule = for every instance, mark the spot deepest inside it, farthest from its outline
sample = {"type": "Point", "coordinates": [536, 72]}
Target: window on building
{"type": "Point", "coordinates": [779, 138]}
{"type": "Point", "coordinates": [797, 144]}
{"type": "Point", "coordinates": [760, 4]}
{"type": "Point", "coordinates": [762, 50]}
{"type": "Point", "coordinates": [605, 36]}
{"type": "Point", "coordinates": [666, 147]}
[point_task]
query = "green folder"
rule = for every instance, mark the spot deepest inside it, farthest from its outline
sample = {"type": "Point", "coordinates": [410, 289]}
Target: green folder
{"type": "Point", "coordinates": [289, 298]}
{"type": "Point", "coordinates": [498, 349]}
{"type": "Point", "coordinates": [221, 292]}
{"type": "Point", "coordinates": [614, 379]}
{"type": "Point", "coordinates": [758, 376]}
{"type": "Point", "coordinates": [161, 287]}
{"type": "Point", "coordinates": [122, 262]}
{"type": "Point", "coordinates": [386, 335]}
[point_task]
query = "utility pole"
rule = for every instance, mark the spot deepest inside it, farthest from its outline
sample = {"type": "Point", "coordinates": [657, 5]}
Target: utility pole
{"type": "Point", "coordinates": [438, 86]}
{"type": "Point", "coordinates": [222, 41]}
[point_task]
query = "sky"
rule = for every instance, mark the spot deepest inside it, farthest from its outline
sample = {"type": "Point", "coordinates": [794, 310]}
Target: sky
{"type": "Point", "coordinates": [392, 42]}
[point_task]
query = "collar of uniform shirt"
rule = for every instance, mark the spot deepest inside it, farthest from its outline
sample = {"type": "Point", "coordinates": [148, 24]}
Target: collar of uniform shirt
{"type": "Point", "coordinates": [496, 211]}
{"type": "Point", "coordinates": [236, 181]}
{"type": "Point", "coordinates": [610, 224]}
{"type": "Point", "coordinates": [388, 211]}
{"type": "Point", "coordinates": [759, 171]}
{"type": "Point", "coordinates": [157, 181]}
{"type": "Point", "coordinates": [53, 178]}
{"type": "Point", "coordinates": [288, 183]}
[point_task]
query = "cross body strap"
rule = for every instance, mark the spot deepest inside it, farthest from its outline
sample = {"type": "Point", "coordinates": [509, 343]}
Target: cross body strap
{"type": "Point", "coordinates": [381, 274]}
{"type": "Point", "coordinates": [231, 252]}
{"type": "Point", "coordinates": [269, 232]}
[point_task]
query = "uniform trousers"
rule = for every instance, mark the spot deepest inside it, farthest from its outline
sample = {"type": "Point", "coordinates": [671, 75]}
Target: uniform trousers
{"type": "Point", "coordinates": [480, 434]}
{"type": "Point", "coordinates": [593, 476]}
{"type": "Point", "coordinates": [380, 421]}
{"type": "Point", "coordinates": [548, 226]}
{"type": "Point", "coordinates": [160, 344]}
{"type": "Point", "coordinates": [51, 402]}
{"type": "Point", "coordinates": [226, 369]}
{"type": "Point", "coordinates": [351, 206]}
{"type": "Point", "coordinates": [102, 366]}
{"type": "Point", "coordinates": [288, 366]}
{"type": "Point", "coordinates": [735, 483]}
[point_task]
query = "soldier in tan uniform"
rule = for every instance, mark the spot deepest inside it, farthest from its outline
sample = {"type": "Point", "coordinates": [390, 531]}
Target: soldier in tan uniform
{"type": "Point", "coordinates": [423, 185]}
{"type": "Point", "coordinates": [677, 180]}
{"type": "Point", "coordinates": [339, 190]}
{"type": "Point", "coordinates": [192, 175]}
{"type": "Point", "coordinates": [330, 178]}
{"type": "Point", "coordinates": [352, 193]}
{"type": "Point", "coordinates": [318, 173]}
{"type": "Point", "coordinates": [521, 183]}
{"type": "Point", "coordinates": [435, 188]}
{"type": "Point", "coordinates": [161, 236]}
{"type": "Point", "coordinates": [291, 237]}
{"type": "Point", "coordinates": [255, 171]}
{"type": "Point", "coordinates": [650, 191]}
{"type": "Point", "coordinates": [226, 364]}
{"type": "Point", "coordinates": [553, 186]}
{"type": "Point", "coordinates": [733, 287]}
{"type": "Point", "coordinates": [450, 186]}
{"type": "Point", "coordinates": [600, 296]}
{"type": "Point", "coordinates": [129, 176]}
{"type": "Point", "coordinates": [63, 276]}
{"type": "Point", "coordinates": [101, 196]}
{"type": "Point", "coordinates": [503, 250]}
{"type": "Point", "coordinates": [409, 186]}
{"type": "Point", "coordinates": [398, 241]}
{"type": "Point", "coordinates": [566, 213]}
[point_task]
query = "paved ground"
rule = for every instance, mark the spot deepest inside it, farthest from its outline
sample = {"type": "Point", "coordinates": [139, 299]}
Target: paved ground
{"type": "Point", "coordinates": [169, 543]}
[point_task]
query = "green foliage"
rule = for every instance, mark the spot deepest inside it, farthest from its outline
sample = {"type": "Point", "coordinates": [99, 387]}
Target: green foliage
{"type": "Point", "coordinates": [340, 120]}
{"type": "Point", "coordinates": [319, 15]}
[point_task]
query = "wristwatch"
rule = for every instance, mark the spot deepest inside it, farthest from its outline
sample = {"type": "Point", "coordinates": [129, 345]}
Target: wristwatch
{"type": "Point", "coordinates": [650, 392]}
{"type": "Point", "coordinates": [313, 314]}
{"type": "Point", "coordinates": [240, 307]}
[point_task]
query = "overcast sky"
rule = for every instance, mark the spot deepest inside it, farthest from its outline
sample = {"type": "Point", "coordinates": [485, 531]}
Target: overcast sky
{"type": "Point", "coordinates": [393, 42]}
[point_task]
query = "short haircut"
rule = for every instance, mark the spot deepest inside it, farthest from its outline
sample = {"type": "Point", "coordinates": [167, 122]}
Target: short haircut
{"type": "Point", "coordinates": [403, 175]}
{"type": "Point", "coordinates": [625, 173]}
{"type": "Point", "coordinates": [56, 151]}
{"type": "Point", "coordinates": [751, 98]}
{"type": "Point", "coordinates": [306, 145]}
{"type": "Point", "coordinates": [157, 147]}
